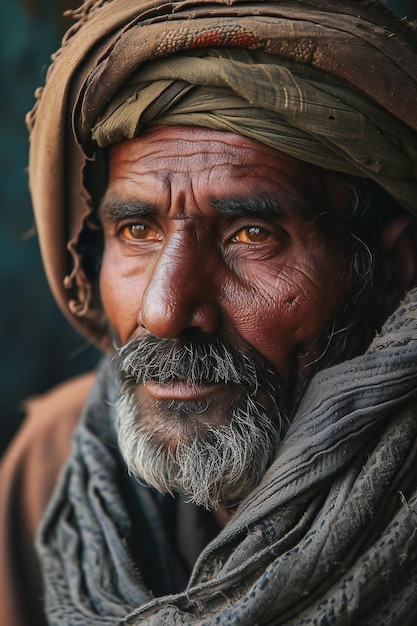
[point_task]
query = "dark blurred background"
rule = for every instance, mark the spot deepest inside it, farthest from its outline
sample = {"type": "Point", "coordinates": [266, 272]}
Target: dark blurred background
{"type": "Point", "coordinates": [38, 347]}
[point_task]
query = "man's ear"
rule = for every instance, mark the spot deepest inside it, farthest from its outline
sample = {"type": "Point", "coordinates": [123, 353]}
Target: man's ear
{"type": "Point", "coordinates": [399, 246]}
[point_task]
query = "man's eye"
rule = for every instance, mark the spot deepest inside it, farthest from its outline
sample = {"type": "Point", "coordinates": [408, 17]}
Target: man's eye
{"type": "Point", "coordinates": [253, 234]}
{"type": "Point", "coordinates": [139, 232]}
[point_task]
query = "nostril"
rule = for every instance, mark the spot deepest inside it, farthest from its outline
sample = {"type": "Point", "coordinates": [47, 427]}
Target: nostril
{"type": "Point", "coordinates": [206, 317]}
{"type": "Point", "coordinates": [140, 321]}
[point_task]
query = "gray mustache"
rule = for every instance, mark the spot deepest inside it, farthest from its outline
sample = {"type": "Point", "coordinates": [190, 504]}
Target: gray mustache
{"type": "Point", "coordinates": [199, 361]}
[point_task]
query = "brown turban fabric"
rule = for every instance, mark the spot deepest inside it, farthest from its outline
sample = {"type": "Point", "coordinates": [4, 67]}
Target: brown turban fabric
{"type": "Point", "coordinates": [325, 81]}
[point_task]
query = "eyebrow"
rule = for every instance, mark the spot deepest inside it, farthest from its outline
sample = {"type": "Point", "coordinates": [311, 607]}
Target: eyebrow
{"type": "Point", "coordinates": [287, 205]}
{"type": "Point", "coordinates": [114, 210]}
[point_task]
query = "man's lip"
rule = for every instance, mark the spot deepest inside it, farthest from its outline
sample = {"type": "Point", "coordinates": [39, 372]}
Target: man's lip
{"type": "Point", "coordinates": [181, 390]}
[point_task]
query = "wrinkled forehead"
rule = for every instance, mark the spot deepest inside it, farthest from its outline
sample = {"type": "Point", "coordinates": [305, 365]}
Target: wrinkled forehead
{"type": "Point", "coordinates": [167, 152]}
{"type": "Point", "coordinates": [198, 166]}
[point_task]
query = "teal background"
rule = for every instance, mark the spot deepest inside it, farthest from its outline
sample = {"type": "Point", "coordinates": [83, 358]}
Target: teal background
{"type": "Point", "coordinates": [38, 347]}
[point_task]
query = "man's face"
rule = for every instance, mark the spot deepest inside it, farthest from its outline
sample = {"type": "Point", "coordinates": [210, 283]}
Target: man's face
{"type": "Point", "coordinates": [213, 237]}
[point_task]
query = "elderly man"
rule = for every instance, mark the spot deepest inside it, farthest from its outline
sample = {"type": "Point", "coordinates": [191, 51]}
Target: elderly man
{"type": "Point", "coordinates": [225, 196]}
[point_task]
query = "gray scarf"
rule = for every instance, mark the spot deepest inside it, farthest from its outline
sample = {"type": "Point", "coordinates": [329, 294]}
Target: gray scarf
{"type": "Point", "coordinates": [328, 537]}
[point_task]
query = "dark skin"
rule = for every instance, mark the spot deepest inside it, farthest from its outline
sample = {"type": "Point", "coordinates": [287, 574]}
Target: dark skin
{"type": "Point", "coordinates": [212, 232]}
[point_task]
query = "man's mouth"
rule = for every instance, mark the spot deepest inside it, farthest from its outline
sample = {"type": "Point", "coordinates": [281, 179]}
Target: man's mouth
{"type": "Point", "coordinates": [183, 390]}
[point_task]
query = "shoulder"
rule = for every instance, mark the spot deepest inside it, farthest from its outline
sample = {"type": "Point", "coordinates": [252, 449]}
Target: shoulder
{"type": "Point", "coordinates": [41, 446]}
{"type": "Point", "coordinates": [28, 472]}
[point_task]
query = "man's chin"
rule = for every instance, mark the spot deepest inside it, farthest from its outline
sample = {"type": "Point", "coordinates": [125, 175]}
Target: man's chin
{"type": "Point", "coordinates": [177, 450]}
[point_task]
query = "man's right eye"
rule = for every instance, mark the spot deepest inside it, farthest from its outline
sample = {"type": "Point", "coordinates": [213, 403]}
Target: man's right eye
{"type": "Point", "coordinates": [139, 232]}
{"type": "Point", "coordinates": [253, 235]}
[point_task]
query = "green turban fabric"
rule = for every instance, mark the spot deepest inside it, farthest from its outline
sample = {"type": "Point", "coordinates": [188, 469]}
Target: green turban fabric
{"type": "Point", "coordinates": [300, 111]}
{"type": "Point", "coordinates": [333, 83]}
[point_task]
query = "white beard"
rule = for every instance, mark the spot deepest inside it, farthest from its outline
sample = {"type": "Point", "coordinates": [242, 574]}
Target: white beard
{"type": "Point", "coordinates": [221, 467]}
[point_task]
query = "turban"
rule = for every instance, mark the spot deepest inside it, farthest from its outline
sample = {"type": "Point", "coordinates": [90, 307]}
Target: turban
{"type": "Point", "coordinates": [328, 82]}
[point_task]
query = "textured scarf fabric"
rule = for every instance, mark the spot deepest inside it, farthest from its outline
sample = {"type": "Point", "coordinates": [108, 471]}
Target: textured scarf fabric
{"type": "Point", "coordinates": [361, 117]}
{"type": "Point", "coordinates": [328, 537]}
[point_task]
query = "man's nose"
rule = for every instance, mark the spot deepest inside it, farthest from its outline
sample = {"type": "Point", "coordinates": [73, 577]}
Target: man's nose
{"type": "Point", "coordinates": [180, 294]}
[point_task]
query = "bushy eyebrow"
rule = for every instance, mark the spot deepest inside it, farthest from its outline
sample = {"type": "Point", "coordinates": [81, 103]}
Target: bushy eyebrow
{"type": "Point", "coordinates": [264, 206]}
{"type": "Point", "coordinates": [115, 210]}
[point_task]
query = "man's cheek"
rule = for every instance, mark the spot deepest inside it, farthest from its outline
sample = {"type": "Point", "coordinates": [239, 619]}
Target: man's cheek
{"type": "Point", "coordinates": [285, 317]}
{"type": "Point", "coordinates": [270, 322]}
{"type": "Point", "coordinates": [121, 298]}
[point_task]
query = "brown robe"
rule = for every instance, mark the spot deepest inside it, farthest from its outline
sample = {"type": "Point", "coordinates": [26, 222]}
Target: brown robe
{"type": "Point", "coordinates": [28, 472]}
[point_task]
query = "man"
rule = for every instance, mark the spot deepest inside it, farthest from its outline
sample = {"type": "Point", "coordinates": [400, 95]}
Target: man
{"type": "Point", "coordinates": [225, 196]}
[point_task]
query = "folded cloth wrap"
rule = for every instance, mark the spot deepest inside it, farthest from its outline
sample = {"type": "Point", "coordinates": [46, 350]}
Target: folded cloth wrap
{"type": "Point", "coordinates": [297, 110]}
